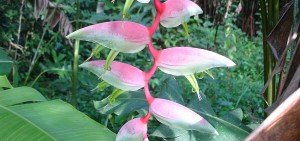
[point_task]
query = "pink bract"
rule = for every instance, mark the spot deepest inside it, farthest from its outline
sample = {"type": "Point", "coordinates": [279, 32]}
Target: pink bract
{"type": "Point", "coordinates": [186, 60]}
{"type": "Point", "coordinates": [177, 12]}
{"type": "Point", "coordinates": [120, 75]}
{"type": "Point", "coordinates": [122, 36]}
{"type": "Point", "coordinates": [133, 130]}
{"type": "Point", "coordinates": [179, 116]}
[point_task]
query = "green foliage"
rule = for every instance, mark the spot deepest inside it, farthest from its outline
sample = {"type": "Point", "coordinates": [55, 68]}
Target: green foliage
{"type": "Point", "coordinates": [238, 87]}
{"type": "Point", "coordinates": [19, 95]}
{"type": "Point", "coordinates": [5, 63]}
{"type": "Point", "coordinates": [4, 83]}
{"type": "Point", "coordinates": [233, 94]}
{"type": "Point", "coordinates": [229, 126]}
{"type": "Point", "coordinates": [45, 120]}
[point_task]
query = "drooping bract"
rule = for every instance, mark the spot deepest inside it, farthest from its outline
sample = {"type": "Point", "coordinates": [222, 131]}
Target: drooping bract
{"type": "Point", "coordinates": [120, 75]}
{"type": "Point", "coordinates": [187, 61]}
{"type": "Point", "coordinates": [177, 12]}
{"type": "Point", "coordinates": [179, 116]}
{"type": "Point", "coordinates": [121, 36]}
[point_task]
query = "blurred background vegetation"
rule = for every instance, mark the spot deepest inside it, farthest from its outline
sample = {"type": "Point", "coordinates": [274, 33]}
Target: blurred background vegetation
{"type": "Point", "coordinates": [43, 57]}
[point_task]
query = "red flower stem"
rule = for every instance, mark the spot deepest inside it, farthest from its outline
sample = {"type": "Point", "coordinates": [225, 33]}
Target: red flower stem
{"type": "Point", "coordinates": [155, 24]}
{"type": "Point", "coordinates": [153, 51]}
{"type": "Point", "coordinates": [155, 54]}
{"type": "Point", "coordinates": [148, 95]}
{"type": "Point", "coordinates": [158, 6]}
{"type": "Point", "coordinates": [146, 118]}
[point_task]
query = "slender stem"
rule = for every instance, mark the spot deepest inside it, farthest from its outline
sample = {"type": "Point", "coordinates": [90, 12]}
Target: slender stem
{"type": "Point", "coordinates": [270, 14]}
{"type": "Point", "coordinates": [148, 96]}
{"type": "Point", "coordinates": [155, 24]}
{"type": "Point", "coordinates": [110, 58]}
{"type": "Point", "coordinates": [146, 118]}
{"type": "Point", "coordinates": [75, 74]}
{"type": "Point", "coordinates": [43, 72]}
{"type": "Point", "coordinates": [19, 28]}
{"type": "Point", "coordinates": [159, 7]}
{"type": "Point", "coordinates": [128, 3]}
{"type": "Point", "coordinates": [266, 50]}
{"type": "Point", "coordinates": [73, 96]}
{"type": "Point", "coordinates": [34, 59]}
{"type": "Point", "coordinates": [151, 72]}
{"type": "Point", "coordinates": [153, 51]}
{"type": "Point", "coordinates": [77, 14]}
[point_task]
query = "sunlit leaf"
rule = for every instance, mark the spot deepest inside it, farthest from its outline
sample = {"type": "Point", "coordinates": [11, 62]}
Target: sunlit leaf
{"type": "Point", "coordinates": [193, 81]}
{"type": "Point", "coordinates": [20, 95]}
{"type": "Point", "coordinates": [4, 82]}
{"type": "Point", "coordinates": [45, 120]}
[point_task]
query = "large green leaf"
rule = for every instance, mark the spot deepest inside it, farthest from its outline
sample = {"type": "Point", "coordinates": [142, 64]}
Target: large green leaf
{"type": "Point", "coordinates": [4, 83]}
{"type": "Point", "coordinates": [20, 95]}
{"type": "Point", "coordinates": [171, 90]}
{"type": "Point", "coordinates": [45, 120]}
{"type": "Point", "coordinates": [202, 106]}
{"type": "Point", "coordinates": [5, 63]}
{"type": "Point", "coordinates": [234, 116]}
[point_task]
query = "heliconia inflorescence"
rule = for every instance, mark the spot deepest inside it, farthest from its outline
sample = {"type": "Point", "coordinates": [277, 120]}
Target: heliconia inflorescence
{"type": "Point", "coordinates": [130, 37]}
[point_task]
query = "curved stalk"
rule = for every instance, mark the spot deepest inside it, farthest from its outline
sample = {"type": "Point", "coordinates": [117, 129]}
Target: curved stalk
{"type": "Point", "coordinates": [193, 81]}
{"type": "Point", "coordinates": [110, 58]}
{"type": "Point", "coordinates": [127, 5]}
{"type": "Point", "coordinates": [43, 72]}
{"type": "Point", "coordinates": [185, 29]}
{"type": "Point", "coordinates": [146, 118]}
{"type": "Point", "coordinates": [155, 53]}
{"type": "Point", "coordinates": [148, 95]}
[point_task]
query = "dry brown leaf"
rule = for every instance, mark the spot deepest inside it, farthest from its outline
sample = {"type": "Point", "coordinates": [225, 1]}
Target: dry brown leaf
{"type": "Point", "coordinates": [54, 16]}
{"type": "Point", "coordinates": [279, 35]}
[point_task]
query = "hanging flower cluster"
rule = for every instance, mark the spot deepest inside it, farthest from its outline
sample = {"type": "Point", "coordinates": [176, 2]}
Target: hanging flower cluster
{"type": "Point", "coordinates": [130, 37]}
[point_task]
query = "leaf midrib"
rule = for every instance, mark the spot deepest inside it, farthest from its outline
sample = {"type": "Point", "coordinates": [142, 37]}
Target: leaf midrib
{"type": "Point", "coordinates": [28, 121]}
{"type": "Point", "coordinates": [224, 121]}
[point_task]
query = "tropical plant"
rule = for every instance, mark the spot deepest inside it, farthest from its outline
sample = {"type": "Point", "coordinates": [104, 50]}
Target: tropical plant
{"type": "Point", "coordinates": [130, 37]}
{"type": "Point", "coordinates": [51, 72]}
